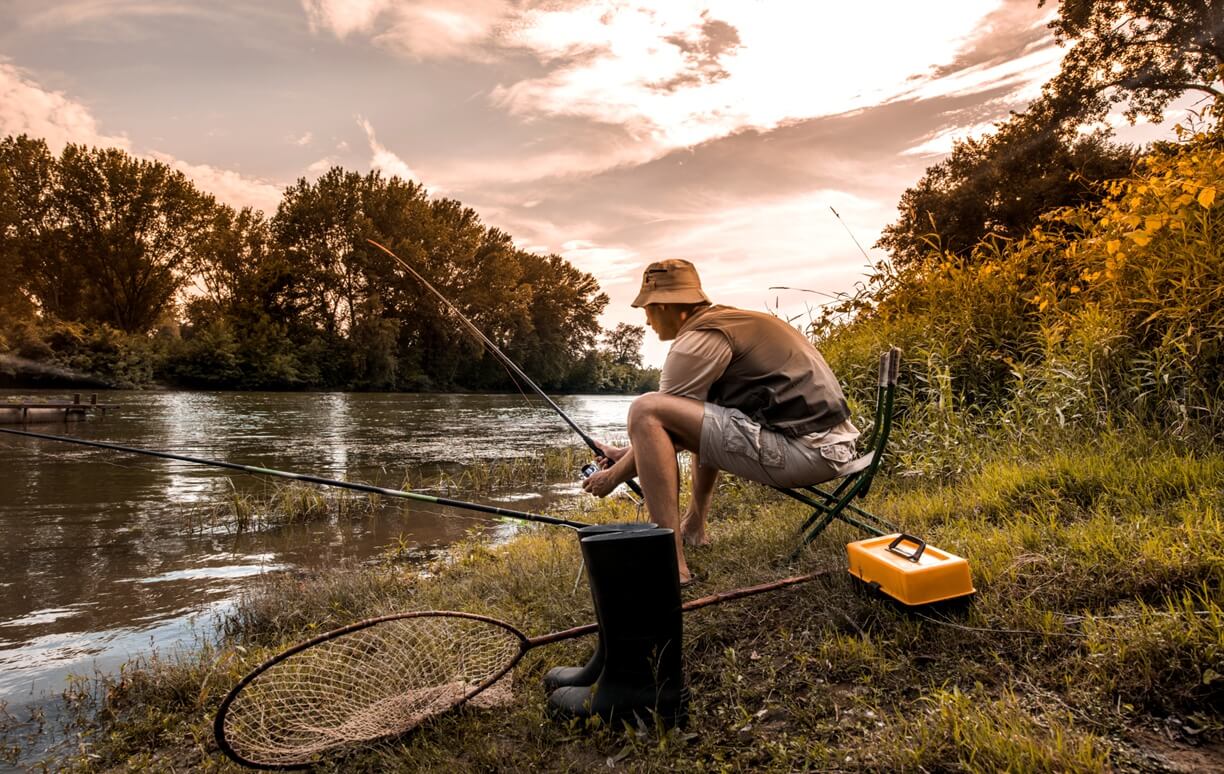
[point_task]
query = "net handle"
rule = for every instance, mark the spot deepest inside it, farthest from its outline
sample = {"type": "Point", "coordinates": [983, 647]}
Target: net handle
{"type": "Point", "coordinates": [695, 604]}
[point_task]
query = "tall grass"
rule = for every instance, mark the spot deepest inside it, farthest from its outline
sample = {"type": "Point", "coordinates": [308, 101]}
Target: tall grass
{"type": "Point", "coordinates": [1100, 315]}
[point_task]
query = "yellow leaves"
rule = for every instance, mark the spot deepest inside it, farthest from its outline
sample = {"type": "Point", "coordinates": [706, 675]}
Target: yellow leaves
{"type": "Point", "coordinates": [1089, 276]}
{"type": "Point", "coordinates": [1141, 238]}
{"type": "Point", "coordinates": [1206, 197]}
{"type": "Point", "coordinates": [1153, 222]}
{"type": "Point", "coordinates": [1113, 245]}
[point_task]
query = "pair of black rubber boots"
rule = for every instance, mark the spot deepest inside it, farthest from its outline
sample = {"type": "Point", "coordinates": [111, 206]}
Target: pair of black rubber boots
{"type": "Point", "coordinates": [637, 671]}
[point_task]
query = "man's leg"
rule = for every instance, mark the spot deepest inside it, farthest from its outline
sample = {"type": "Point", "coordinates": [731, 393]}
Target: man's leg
{"type": "Point", "coordinates": [660, 426]}
{"type": "Point", "coordinates": [693, 522]}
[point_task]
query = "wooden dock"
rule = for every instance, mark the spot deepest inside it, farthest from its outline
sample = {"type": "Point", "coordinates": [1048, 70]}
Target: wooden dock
{"type": "Point", "coordinates": [27, 413]}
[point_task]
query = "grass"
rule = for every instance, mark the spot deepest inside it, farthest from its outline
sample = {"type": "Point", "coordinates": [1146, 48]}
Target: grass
{"type": "Point", "coordinates": [279, 505]}
{"type": "Point", "coordinates": [535, 469]}
{"type": "Point", "coordinates": [1094, 643]}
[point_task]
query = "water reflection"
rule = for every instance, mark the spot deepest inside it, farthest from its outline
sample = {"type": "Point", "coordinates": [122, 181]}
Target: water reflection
{"type": "Point", "coordinates": [97, 560]}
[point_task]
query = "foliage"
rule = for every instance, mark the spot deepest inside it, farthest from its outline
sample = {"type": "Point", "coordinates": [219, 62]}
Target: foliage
{"type": "Point", "coordinates": [1098, 313]}
{"type": "Point", "coordinates": [99, 236]}
{"type": "Point", "coordinates": [1141, 53]}
{"type": "Point", "coordinates": [106, 242]}
{"type": "Point", "coordinates": [999, 185]}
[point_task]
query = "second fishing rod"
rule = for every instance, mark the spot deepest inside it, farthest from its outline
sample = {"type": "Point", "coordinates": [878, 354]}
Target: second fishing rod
{"type": "Point", "coordinates": [504, 359]}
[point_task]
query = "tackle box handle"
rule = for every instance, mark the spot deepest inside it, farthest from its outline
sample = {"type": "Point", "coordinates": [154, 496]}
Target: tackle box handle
{"type": "Point", "coordinates": [904, 536]}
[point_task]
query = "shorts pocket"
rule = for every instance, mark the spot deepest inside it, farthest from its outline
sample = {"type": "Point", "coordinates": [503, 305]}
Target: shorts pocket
{"type": "Point", "coordinates": [773, 449]}
{"type": "Point", "coordinates": [742, 436]}
{"type": "Point", "coordinates": [837, 452]}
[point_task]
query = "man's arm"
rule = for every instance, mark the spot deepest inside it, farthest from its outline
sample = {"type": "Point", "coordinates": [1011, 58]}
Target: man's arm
{"type": "Point", "coordinates": [602, 483]}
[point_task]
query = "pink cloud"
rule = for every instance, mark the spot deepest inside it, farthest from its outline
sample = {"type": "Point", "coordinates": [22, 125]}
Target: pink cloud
{"type": "Point", "coordinates": [227, 185]}
{"type": "Point", "coordinates": [27, 108]}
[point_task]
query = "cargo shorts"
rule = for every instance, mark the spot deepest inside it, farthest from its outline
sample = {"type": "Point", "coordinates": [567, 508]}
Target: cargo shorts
{"type": "Point", "coordinates": [731, 441]}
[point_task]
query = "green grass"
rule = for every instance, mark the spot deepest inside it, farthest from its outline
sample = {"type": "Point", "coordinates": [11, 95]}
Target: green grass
{"type": "Point", "coordinates": [1098, 566]}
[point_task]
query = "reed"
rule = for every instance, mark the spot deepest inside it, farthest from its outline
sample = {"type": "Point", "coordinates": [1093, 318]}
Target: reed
{"type": "Point", "coordinates": [538, 468]}
{"type": "Point", "coordinates": [279, 505]}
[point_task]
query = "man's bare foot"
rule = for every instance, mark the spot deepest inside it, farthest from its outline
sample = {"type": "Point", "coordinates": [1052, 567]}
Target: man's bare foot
{"type": "Point", "coordinates": [693, 534]}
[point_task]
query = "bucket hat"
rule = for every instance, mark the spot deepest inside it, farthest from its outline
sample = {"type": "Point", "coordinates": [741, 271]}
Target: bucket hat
{"type": "Point", "coordinates": [673, 281]}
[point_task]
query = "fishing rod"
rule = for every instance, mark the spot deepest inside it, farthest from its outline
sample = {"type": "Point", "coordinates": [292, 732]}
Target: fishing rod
{"type": "Point", "coordinates": [506, 512]}
{"type": "Point", "coordinates": [505, 360]}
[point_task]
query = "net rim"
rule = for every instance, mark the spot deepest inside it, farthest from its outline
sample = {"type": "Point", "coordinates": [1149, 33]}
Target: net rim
{"type": "Point", "coordinates": [223, 710]}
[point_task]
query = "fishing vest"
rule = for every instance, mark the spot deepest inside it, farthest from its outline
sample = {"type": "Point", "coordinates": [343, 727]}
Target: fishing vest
{"type": "Point", "coordinates": [775, 376]}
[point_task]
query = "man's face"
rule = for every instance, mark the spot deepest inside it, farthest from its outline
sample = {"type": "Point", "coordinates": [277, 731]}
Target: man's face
{"type": "Point", "coordinates": [664, 319]}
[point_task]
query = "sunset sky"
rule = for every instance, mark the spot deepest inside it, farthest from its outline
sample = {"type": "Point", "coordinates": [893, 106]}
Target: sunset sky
{"type": "Point", "coordinates": [612, 133]}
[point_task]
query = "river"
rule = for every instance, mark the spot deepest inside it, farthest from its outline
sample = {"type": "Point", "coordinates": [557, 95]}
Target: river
{"type": "Point", "coordinates": [102, 554]}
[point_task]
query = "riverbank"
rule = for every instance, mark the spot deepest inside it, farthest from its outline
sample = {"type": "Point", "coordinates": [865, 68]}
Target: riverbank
{"type": "Point", "coordinates": [1095, 641]}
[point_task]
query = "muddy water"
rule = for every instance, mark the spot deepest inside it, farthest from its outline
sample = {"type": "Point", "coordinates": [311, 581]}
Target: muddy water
{"type": "Point", "coordinates": [101, 554]}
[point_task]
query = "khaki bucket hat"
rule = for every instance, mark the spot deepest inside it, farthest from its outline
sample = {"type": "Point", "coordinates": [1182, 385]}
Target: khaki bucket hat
{"type": "Point", "coordinates": [673, 281]}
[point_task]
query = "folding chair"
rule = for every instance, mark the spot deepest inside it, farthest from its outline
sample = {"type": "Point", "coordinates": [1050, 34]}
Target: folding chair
{"type": "Point", "coordinates": [828, 505]}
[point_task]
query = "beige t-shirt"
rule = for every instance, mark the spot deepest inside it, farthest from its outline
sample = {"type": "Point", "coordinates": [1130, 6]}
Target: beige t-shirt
{"type": "Point", "coordinates": [696, 360]}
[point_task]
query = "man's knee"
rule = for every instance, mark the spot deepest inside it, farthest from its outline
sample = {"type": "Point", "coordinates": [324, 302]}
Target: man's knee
{"type": "Point", "coordinates": [646, 408]}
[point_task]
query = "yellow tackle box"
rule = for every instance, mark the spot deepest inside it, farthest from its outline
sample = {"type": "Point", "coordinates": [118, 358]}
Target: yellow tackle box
{"type": "Point", "coordinates": [908, 570]}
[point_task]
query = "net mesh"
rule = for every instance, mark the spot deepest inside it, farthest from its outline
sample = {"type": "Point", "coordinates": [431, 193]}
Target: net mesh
{"type": "Point", "coordinates": [374, 682]}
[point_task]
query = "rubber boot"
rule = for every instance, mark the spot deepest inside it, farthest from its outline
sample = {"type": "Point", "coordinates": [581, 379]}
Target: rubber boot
{"type": "Point", "coordinates": [635, 585]}
{"type": "Point", "coordinates": [559, 677]}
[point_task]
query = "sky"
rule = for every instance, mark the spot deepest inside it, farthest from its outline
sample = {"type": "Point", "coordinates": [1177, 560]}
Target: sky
{"type": "Point", "coordinates": [612, 133]}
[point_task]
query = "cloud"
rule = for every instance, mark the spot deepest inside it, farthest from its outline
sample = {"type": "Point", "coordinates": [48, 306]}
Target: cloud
{"type": "Point", "coordinates": [384, 160]}
{"type": "Point", "coordinates": [760, 66]}
{"type": "Point", "coordinates": [421, 29]}
{"type": "Point", "coordinates": [94, 12]}
{"type": "Point", "coordinates": [631, 81]}
{"type": "Point", "coordinates": [227, 185]}
{"type": "Point", "coordinates": [322, 165]}
{"type": "Point", "coordinates": [303, 140]}
{"type": "Point", "coordinates": [939, 143]}
{"type": "Point", "coordinates": [343, 17]}
{"type": "Point", "coordinates": [27, 108]}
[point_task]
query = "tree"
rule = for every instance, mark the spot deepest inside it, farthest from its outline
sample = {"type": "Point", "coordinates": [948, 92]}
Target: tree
{"type": "Point", "coordinates": [1000, 184]}
{"type": "Point", "coordinates": [27, 223]}
{"type": "Point", "coordinates": [1144, 53]}
{"type": "Point", "coordinates": [624, 343]}
{"type": "Point", "coordinates": [128, 229]}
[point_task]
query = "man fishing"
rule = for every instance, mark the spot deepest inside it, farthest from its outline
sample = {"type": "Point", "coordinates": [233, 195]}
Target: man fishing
{"type": "Point", "coordinates": [742, 391]}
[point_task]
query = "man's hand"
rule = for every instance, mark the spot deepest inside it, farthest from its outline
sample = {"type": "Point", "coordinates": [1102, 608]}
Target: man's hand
{"type": "Point", "coordinates": [600, 483]}
{"type": "Point", "coordinates": [610, 454]}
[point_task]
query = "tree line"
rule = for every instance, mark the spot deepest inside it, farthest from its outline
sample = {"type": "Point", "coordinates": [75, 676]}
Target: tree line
{"type": "Point", "coordinates": [119, 267]}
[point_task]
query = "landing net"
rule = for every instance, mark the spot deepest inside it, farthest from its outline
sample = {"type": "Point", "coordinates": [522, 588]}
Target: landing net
{"type": "Point", "coordinates": [375, 679]}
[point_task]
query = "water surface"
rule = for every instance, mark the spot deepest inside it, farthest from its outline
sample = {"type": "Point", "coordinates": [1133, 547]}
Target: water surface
{"type": "Point", "coordinates": [101, 553]}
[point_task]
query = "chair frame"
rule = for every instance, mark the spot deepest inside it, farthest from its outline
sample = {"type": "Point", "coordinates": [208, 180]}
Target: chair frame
{"type": "Point", "coordinates": [827, 504]}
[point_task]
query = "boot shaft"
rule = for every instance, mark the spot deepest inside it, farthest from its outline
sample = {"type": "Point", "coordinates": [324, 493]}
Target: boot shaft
{"type": "Point", "coordinates": [635, 586]}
